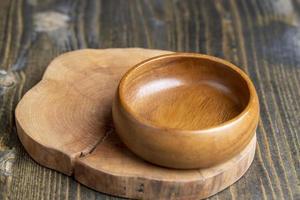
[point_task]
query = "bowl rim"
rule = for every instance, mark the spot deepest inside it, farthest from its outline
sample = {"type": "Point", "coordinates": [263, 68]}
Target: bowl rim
{"type": "Point", "coordinates": [253, 99]}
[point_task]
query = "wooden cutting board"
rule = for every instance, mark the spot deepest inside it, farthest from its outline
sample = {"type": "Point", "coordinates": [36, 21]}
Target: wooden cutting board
{"type": "Point", "coordinates": [64, 123]}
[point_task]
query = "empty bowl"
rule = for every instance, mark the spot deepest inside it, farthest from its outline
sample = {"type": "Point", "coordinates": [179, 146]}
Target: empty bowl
{"type": "Point", "coordinates": [185, 110]}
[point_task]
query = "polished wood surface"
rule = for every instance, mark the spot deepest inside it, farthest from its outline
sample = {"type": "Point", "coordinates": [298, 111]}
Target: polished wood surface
{"type": "Point", "coordinates": [261, 37]}
{"type": "Point", "coordinates": [203, 104]}
{"type": "Point", "coordinates": [186, 92]}
{"type": "Point", "coordinates": [68, 127]}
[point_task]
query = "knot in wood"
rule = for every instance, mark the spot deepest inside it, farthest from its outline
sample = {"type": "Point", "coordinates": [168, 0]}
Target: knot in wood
{"type": "Point", "coordinates": [7, 159]}
{"type": "Point", "coordinates": [7, 79]}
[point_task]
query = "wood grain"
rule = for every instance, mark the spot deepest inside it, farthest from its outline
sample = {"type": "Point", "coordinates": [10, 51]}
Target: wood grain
{"type": "Point", "coordinates": [68, 127]}
{"type": "Point", "coordinates": [204, 104]}
{"type": "Point", "coordinates": [260, 36]}
{"type": "Point", "coordinates": [73, 118]}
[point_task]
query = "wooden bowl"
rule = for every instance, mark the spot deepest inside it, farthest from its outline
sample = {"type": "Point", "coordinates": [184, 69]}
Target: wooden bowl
{"type": "Point", "coordinates": [186, 110]}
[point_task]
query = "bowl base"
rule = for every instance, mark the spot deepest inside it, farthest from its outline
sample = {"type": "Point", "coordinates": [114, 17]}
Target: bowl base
{"type": "Point", "coordinates": [114, 170]}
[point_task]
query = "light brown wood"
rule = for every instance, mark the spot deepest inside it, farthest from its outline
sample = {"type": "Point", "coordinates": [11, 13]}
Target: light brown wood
{"type": "Point", "coordinates": [261, 37]}
{"type": "Point", "coordinates": [68, 112]}
{"type": "Point", "coordinates": [113, 169]}
{"type": "Point", "coordinates": [205, 105]}
{"type": "Point", "coordinates": [64, 123]}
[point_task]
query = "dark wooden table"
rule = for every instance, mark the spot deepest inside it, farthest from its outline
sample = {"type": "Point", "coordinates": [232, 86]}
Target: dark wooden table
{"type": "Point", "coordinates": [262, 37]}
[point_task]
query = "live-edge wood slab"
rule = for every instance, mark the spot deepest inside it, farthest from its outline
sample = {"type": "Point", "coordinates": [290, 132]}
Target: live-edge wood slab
{"type": "Point", "coordinates": [64, 123]}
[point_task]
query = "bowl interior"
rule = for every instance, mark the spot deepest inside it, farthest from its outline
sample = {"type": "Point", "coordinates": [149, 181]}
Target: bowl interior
{"type": "Point", "coordinates": [185, 92]}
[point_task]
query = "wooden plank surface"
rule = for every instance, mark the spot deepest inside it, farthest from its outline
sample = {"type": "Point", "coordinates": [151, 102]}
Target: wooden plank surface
{"type": "Point", "coordinates": [262, 37]}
